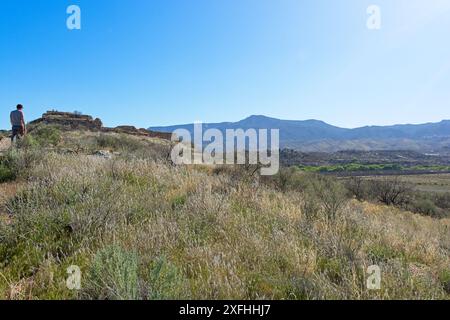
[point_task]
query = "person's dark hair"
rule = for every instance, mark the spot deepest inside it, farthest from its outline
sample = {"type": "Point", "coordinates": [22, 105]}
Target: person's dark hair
{"type": "Point", "coordinates": [19, 107]}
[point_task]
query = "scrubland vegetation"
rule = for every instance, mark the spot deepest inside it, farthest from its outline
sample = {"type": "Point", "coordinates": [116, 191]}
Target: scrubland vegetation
{"type": "Point", "coordinates": [141, 228]}
{"type": "Point", "coordinates": [400, 192]}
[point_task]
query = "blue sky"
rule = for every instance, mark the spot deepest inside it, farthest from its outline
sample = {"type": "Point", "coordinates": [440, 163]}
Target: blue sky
{"type": "Point", "coordinates": [162, 62]}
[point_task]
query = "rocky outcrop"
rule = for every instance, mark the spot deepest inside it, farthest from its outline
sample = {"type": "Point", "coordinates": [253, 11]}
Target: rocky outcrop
{"type": "Point", "coordinates": [139, 132]}
{"type": "Point", "coordinates": [69, 121]}
{"type": "Point", "coordinates": [75, 121]}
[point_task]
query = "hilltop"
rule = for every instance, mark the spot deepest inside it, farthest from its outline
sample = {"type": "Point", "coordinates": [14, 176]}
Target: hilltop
{"type": "Point", "coordinates": [76, 121]}
{"type": "Point", "coordinates": [318, 136]}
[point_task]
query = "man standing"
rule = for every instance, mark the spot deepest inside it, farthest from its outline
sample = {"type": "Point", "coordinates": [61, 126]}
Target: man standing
{"type": "Point", "coordinates": [18, 123]}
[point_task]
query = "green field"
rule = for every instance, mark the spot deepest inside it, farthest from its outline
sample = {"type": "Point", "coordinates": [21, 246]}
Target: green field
{"type": "Point", "coordinates": [356, 167]}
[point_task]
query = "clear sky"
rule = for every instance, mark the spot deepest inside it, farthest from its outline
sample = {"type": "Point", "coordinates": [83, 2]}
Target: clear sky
{"type": "Point", "coordinates": [161, 62]}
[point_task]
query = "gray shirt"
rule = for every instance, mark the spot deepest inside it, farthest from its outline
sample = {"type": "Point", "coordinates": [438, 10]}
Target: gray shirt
{"type": "Point", "coordinates": [17, 118]}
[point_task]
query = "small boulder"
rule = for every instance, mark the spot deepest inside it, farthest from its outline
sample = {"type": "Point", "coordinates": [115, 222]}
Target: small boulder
{"type": "Point", "coordinates": [103, 154]}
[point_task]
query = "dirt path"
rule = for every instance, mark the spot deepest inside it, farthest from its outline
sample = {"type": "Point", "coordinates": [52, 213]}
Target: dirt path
{"type": "Point", "coordinates": [7, 191]}
{"type": "Point", "coordinates": [5, 143]}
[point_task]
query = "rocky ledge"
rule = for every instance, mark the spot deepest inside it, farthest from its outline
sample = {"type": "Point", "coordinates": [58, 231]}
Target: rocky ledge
{"type": "Point", "coordinates": [75, 121]}
{"type": "Point", "coordinates": [69, 121]}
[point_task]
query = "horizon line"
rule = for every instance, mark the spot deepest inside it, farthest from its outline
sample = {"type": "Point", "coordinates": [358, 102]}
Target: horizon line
{"type": "Point", "coordinates": [260, 116]}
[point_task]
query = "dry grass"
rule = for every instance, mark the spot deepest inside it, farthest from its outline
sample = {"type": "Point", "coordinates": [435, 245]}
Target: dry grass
{"type": "Point", "coordinates": [7, 191]}
{"type": "Point", "coordinates": [142, 229]}
{"type": "Point", "coordinates": [5, 143]}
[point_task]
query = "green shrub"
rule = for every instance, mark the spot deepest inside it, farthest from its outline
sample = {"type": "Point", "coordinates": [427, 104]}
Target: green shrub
{"type": "Point", "coordinates": [107, 141]}
{"type": "Point", "coordinates": [19, 161]}
{"type": "Point", "coordinates": [118, 142]}
{"type": "Point", "coordinates": [6, 174]}
{"type": "Point", "coordinates": [444, 277]}
{"type": "Point", "coordinates": [46, 136]}
{"type": "Point", "coordinates": [27, 142]}
{"type": "Point", "coordinates": [329, 194]}
{"type": "Point", "coordinates": [321, 194]}
{"type": "Point", "coordinates": [284, 178]}
{"type": "Point", "coordinates": [179, 201]}
{"type": "Point", "coordinates": [165, 281]}
{"type": "Point", "coordinates": [425, 207]}
{"type": "Point", "coordinates": [381, 253]}
{"type": "Point", "coordinates": [357, 188]}
{"type": "Point", "coordinates": [113, 275]}
{"type": "Point", "coordinates": [390, 191]}
{"type": "Point", "coordinates": [443, 201]}
{"type": "Point", "coordinates": [332, 268]}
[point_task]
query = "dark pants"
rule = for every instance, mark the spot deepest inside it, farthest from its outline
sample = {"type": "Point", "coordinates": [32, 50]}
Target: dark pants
{"type": "Point", "coordinates": [17, 131]}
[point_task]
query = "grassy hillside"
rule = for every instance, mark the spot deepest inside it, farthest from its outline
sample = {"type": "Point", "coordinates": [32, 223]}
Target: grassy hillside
{"type": "Point", "coordinates": [140, 228]}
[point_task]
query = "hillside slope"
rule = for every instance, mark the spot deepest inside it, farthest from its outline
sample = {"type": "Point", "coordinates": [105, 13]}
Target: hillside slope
{"type": "Point", "coordinates": [140, 228]}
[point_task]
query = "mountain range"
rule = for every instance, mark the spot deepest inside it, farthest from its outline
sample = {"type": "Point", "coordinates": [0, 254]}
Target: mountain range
{"type": "Point", "coordinates": [318, 136]}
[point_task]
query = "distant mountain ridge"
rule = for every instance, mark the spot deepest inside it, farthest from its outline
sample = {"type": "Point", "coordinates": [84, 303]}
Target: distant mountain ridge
{"type": "Point", "coordinates": [315, 135]}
